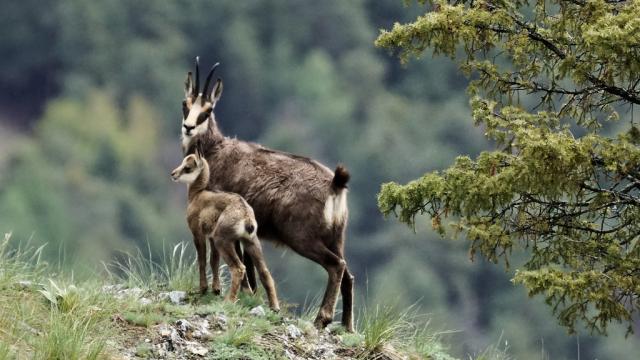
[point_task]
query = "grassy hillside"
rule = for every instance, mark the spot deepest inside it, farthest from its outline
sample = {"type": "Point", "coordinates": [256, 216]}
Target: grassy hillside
{"type": "Point", "coordinates": [139, 309]}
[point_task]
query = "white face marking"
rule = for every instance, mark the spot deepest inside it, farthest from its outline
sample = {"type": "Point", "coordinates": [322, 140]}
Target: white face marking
{"type": "Point", "coordinates": [187, 178]}
{"type": "Point", "coordinates": [190, 126]}
{"type": "Point", "coordinates": [182, 175]}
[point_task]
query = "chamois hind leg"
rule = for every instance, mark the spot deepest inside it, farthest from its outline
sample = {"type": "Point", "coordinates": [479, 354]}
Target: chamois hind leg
{"type": "Point", "coordinates": [335, 266]}
{"type": "Point", "coordinates": [214, 261]}
{"type": "Point", "coordinates": [236, 267]}
{"type": "Point", "coordinates": [249, 280]}
{"type": "Point", "coordinates": [346, 289]}
{"type": "Point", "coordinates": [251, 274]}
{"type": "Point", "coordinates": [201, 250]}
{"type": "Point", "coordinates": [254, 249]}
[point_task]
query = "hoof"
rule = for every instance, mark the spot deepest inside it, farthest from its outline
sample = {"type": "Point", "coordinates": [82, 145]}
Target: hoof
{"type": "Point", "coordinates": [348, 325]}
{"type": "Point", "coordinates": [203, 290]}
{"type": "Point", "coordinates": [321, 322]}
{"type": "Point", "coordinates": [216, 291]}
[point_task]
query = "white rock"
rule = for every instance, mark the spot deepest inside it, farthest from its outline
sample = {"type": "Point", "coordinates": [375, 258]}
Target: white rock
{"type": "Point", "coordinates": [219, 321]}
{"type": "Point", "coordinates": [202, 330]}
{"type": "Point", "coordinates": [293, 331]}
{"type": "Point", "coordinates": [197, 349]}
{"type": "Point", "coordinates": [25, 284]}
{"type": "Point", "coordinates": [183, 326]}
{"type": "Point", "coordinates": [135, 292]}
{"type": "Point", "coordinates": [112, 288]}
{"type": "Point", "coordinates": [145, 301]}
{"type": "Point", "coordinates": [176, 297]}
{"type": "Point", "coordinates": [258, 311]}
{"type": "Point", "coordinates": [165, 332]}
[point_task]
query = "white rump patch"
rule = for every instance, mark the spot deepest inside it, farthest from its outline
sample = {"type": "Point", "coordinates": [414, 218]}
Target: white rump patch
{"type": "Point", "coordinates": [335, 208]}
{"type": "Point", "coordinates": [241, 229]}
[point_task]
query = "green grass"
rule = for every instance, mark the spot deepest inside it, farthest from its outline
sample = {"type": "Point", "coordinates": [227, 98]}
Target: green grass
{"type": "Point", "coordinates": [52, 316]}
{"type": "Point", "coordinates": [175, 270]}
{"type": "Point", "coordinates": [69, 337]}
{"type": "Point", "coordinates": [381, 325]}
{"type": "Point", "coordinates": [498, 351]}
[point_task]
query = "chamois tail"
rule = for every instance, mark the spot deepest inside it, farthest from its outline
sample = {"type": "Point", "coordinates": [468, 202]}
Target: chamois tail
{"type": "Point", "coordinates": [340, 178]}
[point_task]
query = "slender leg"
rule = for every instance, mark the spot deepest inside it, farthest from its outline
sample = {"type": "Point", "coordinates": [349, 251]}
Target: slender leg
{"type": "Point", "coordinates": [251, 275]}
{"type": "Point", "coordinates": [334, 265]}
{"type": "Point", "coordinates": [201, 249]}
{"type": "Point", "coordinates": [215, 267]}
{"type": "Point", "coordinates": [236, 267]}
{"type": "Point", "coordinates": [346, 289]}
{"type": "Point", "coordinates": [254, 249]}
{"type": "Point", "coordinates": [246, 283]}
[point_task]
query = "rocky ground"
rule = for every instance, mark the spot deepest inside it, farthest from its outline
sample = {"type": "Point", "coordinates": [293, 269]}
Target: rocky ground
{"type": "Point", "coordinates": [177, 325]}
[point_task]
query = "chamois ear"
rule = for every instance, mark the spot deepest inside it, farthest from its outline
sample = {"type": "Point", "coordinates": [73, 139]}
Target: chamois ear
{"type": "Point", "coordinates": [199, 156]}
{"type": "Point", "coordinates": [188, 86]}
{"type": "Point", "coordinates": [217, 91]}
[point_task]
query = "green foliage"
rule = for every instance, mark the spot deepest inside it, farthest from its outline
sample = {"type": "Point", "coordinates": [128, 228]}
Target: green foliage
{"type": "Point", "coordinates": [300, 77]}
{"type": "Point", "coordinates": [90, 180]}
{"type": "Point", "coordinates": [571, 201]}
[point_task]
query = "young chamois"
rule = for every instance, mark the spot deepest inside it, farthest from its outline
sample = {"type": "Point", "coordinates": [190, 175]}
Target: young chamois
{"type": "Point", "coordinates": [297, 201]}
{"type": "Point", "coordinates": [224, 219]}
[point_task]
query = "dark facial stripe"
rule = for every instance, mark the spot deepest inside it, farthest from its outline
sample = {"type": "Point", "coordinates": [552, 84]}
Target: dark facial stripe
{"type": "Point", "coordinates": [185, 109]}
{"type": "Point", "coordinates": [203, 116]}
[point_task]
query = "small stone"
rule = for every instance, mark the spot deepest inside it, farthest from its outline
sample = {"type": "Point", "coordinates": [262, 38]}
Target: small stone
{"type": "Point", "coordinates": [219, 321]}
{"type": "Point", "coordinates": [112, 288]}
{"type": "Point", "coordinates": [147, 340]}
{"type": "Point", "coordinates": [258, 311]}
{"type": "Point", "coordinates": [288, 354]}
{"type": "Point", "coordinates": [183, 327]}
{"type": "Point", "coordinates": [165, 332]}
{"type": "Point", "coordinates": [135, 292]}
{"type": "Point", "coordinates": [176, 297]}
{"type": "Point", "coordinates": [145, 301]}
{"type": "Point", "coordinates": [202, 331]}
{"type": "Point", "coordinates": [24, 284]}
{"type": "Point", "coordinates": [293, 331]}
{"type": "Point", "coordinates": [197, 349]}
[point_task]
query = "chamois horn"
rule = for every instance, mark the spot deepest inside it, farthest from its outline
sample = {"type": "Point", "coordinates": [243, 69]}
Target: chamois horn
{"type": "Point", "coordinates": [197, 88]}
{"type": "Point", "coordinates": [206, 92]}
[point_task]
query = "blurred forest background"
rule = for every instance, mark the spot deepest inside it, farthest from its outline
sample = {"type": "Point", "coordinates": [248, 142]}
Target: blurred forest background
{"type": "Point", "coordinates": [90, 95]}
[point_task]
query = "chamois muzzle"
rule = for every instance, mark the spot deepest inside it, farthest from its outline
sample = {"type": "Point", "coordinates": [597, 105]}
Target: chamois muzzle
{"type": "Point", "coordinates": [175, 174]}
{"type": "Point", "coordinates": [188, 129]}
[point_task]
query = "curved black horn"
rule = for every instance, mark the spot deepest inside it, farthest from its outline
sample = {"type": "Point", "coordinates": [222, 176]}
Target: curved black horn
{"type": "Point", "coordinates": [206, 92]}
{"type": "Point", "coordinates": [197, 89]}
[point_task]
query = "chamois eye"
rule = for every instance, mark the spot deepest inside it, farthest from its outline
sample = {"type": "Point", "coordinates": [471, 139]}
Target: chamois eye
{"type": "Point", "coordinates": [187, 170]}
{"type": "Point", "coordinates": [202, 117]}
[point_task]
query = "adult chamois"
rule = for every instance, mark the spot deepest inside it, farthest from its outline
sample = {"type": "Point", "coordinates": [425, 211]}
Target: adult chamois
{"type": "Point", "coordinates": [297, 201]}
{"type": "Point", "coordinates": [224, 219]}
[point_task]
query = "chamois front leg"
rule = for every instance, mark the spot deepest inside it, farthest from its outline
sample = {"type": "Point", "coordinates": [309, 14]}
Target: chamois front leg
{"type": "Point", "coordinates": [215, 267]}
{"type": "Point", "coordinates": [201, 250]}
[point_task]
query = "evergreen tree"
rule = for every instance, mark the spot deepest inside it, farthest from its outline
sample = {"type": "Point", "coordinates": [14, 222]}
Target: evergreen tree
{"type": "Point", "coordinates": [548, 80]}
